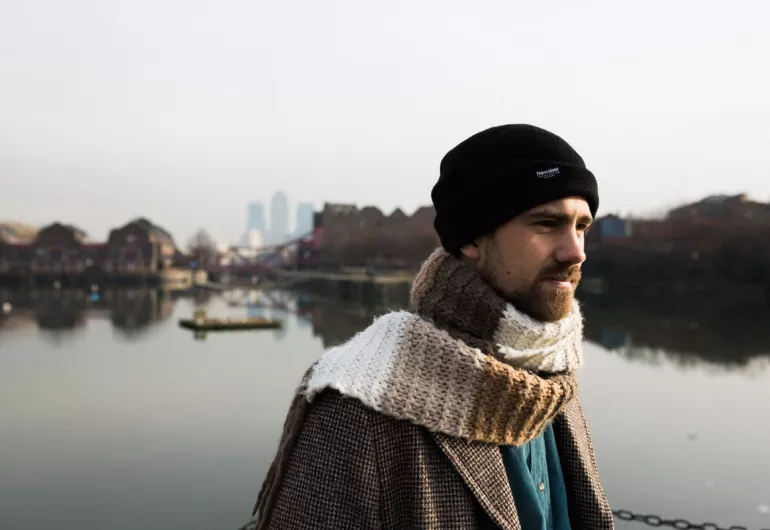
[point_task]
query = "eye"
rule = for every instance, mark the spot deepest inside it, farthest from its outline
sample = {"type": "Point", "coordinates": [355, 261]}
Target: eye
{"type": "Point", "coordinates": [548, 223]}
{"type": "Point", "coordinates": [585, 228]}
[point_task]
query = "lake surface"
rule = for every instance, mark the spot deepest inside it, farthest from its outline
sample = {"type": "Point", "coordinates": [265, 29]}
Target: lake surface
{"type": "Point", "coordinates": [113, 417]}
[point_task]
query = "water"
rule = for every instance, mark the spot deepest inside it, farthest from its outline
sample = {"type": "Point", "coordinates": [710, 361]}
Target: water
{"type": "Point", "coordinates": [111, 416]}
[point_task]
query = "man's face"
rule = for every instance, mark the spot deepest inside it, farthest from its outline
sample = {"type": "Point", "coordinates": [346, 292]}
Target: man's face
{"type": "Point", "coordinates": [534, 260]}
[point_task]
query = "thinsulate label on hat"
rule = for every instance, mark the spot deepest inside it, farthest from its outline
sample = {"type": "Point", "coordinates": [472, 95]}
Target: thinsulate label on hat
{"type": "Point", "coordinates": [548, 173]}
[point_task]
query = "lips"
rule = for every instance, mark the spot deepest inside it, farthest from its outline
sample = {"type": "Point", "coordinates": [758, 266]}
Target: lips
{"type": "Point", "coordinates": [560, 279]}
{"type": "Point", "coordinates": [560, 284]}
{"type": "Point", "coordinates": [572, 276]}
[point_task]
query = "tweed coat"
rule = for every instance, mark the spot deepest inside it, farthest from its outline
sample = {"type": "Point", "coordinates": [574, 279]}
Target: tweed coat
{"type": "Point", "coordinates": [401, 426]}
{"type": "Point", "coordinates": [355, 468]}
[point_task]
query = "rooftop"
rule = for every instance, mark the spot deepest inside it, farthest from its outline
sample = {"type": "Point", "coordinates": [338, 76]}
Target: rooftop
{"type": "Point", "coordinates": [18, 231]}
{"type": "Point", "coordinates": [153, 228]}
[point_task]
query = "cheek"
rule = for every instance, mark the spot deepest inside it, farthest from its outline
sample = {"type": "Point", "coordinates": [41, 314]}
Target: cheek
{"type": "Point", "coordinates": [521, 255]}
{"type": "Point", "coordinates": [521, 266]}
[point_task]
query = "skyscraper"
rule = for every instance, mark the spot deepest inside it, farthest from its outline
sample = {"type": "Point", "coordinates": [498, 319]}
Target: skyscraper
{"type": "Point", "coordinates": [304, 219]}
{"type": "Point", "coordinates": [279, 218]}
{"type": "Point", "coordinates": [256, 217]}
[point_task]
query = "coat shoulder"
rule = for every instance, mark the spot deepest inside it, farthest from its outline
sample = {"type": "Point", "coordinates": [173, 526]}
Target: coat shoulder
{"type": "Point", "coordinates": [408, 462]}
{"type": "Point", "coordinates": [333, 415]}
{"type": "Point", "coordinates": [353, 467]}
{"type": "Point", "coordinates": [331, 478]}
{"type": "Point", "coordinates": [344, 409]}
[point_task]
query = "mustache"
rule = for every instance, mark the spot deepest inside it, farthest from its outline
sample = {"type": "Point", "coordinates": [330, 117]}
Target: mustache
{"type": "Point", "coordinates": [563, 273]}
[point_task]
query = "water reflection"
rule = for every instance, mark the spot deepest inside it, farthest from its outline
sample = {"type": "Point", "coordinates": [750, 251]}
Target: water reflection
{"type": "Point", "coordinates": [57, 309]}
{"type": "Point", "coordinates": [694, 336]}
{"type": "Point", "coordinates": [202, 419]}
{"type": "Point", "coordinates": [652, 333]}
{"type": "Point", "coordinates": [131, 310]}
{"type": "Point", "coordinates": [336, 323]}
{"type": "Point", "coordinates": [700, 333]}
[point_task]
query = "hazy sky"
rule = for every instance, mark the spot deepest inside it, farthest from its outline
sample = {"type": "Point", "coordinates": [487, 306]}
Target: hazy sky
{"type": "Point", "coordinates": [183, 110]}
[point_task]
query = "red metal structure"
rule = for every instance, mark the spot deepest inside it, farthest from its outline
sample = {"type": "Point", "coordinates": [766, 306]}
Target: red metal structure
{"type": "Point", "coordinates": [298, 253]}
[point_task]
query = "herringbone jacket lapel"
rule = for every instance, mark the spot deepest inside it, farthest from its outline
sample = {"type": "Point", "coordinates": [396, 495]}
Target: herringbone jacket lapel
{"type": "Point", "coordinates": [481, 467]}
{"type": "Point", "coordinates": [588, 505]}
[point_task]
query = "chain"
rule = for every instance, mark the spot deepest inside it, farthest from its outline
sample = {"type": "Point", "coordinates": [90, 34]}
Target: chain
{"type": "Point", "coordinates": [681, 524]}
{"type": "Point", "coordinates": [626, 515]}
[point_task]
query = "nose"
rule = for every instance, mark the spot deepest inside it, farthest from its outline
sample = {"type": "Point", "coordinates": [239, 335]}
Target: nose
{"type": "Point", "coordinates": [571, 248]}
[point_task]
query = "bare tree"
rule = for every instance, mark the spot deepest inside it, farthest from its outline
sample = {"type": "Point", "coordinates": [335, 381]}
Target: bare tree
{"type": "Point", "coordinates": [203, 249]}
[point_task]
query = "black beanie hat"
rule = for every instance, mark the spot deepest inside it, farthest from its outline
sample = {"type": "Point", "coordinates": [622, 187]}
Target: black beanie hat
{"type": "Point", "coordinates": [501, 172]}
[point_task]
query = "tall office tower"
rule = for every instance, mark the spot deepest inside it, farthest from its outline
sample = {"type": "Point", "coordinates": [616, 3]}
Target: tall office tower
{"type": "Point", "coordinates": [254, 239]}
{"type": "Point", "coordinates": [279, 218]}
{"type": "Point", "coordinates": [304, 219]}
{"type": "Point", "coordinates": [256, 217]}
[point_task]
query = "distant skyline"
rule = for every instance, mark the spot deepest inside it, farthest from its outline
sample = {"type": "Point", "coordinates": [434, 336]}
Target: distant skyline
{"type": "Point", "coordinates": [304, 221]}
{"type": "Point", "coordinates": [287, 219]}
{"type": "Point", "coordinates": [183, 112]}
{"type": "Point", "coordinates": [255, 216]}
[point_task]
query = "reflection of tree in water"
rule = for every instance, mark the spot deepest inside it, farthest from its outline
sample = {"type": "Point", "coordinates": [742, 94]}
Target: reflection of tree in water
{"type": "Point", "coordinates": [689, 335]}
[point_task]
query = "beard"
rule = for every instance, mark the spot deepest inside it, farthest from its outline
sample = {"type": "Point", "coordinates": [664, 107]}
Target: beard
{"type": "Point", "coordinates": [541, 300]}
{"type": "Point", "coordinates": [544, 302]}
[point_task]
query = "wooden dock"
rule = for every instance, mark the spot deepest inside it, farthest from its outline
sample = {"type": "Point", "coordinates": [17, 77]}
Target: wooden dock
{"type": "Point", "coordinates": [201, 322]}
{"type": "Point", "coordinates": [228, 324]}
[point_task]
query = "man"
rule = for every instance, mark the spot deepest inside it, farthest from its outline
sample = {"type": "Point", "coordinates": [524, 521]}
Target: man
{"type": "Point", "coordinates": [463, 414]}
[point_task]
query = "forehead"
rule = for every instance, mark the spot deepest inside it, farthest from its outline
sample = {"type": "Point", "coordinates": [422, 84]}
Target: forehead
{"type": "Point", "coordinates": [572, 206]}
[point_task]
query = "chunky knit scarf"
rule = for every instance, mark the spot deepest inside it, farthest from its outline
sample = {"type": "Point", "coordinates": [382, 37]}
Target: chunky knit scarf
{"type": "Point", "coordinates": [467, 364]}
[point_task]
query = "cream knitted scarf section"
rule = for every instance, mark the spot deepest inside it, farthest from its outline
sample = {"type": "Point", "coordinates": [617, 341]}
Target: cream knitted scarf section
{"type": "Point", "coordinates": [467, 364]}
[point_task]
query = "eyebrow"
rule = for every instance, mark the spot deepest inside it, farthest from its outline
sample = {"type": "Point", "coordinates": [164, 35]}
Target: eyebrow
{"type": "Point", "coordinates": [562, 217]}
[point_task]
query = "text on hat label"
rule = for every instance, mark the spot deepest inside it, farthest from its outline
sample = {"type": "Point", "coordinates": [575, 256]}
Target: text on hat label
{"type": "Point", "coordinates": [548, 173]}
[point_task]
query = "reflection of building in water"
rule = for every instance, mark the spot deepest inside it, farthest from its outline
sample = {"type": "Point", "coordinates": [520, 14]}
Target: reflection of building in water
{"type": "Point", "coordinates": [269, 305]}
{"type": "Point", "coordinates": [16, 309]}
{"type": "Point", "coordinates": [336, 323]}
{"type": "Point", "coordinates": [135, 309]}
{"type": "Point", "coordinates": [200, 297]}
{"type": "Point", "coordinates": [306, 309]}
{"type": "Point", "coordinates": [257, 310]}
{"type": "Point", "coordinates": [613, 338]}
{"type": "Point", "coordinates": [702, 331]}
{"type": "Point", "coordinates": [59, 308]}
{"type": "Point", "coordinates": [128, 309]}
{"type": "Point", "coordinates": [262, 303]}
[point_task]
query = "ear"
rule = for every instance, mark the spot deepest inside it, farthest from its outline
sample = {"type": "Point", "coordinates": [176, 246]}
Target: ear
{"type": "Point", "coordinates": [471, 252]}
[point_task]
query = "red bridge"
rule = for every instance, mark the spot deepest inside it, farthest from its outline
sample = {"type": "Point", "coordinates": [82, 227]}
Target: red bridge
{"type": "Point", "coordinates": [240, 262]}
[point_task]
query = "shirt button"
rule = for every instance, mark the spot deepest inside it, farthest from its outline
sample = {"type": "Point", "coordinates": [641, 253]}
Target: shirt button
{"type": "Point", "coordinates": [542, 486]}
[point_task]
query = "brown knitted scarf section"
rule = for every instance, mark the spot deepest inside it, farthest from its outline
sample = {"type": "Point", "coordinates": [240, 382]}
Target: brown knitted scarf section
{"type": "Point", "coordinates": [457, 330]}
{"type": "Point", "coordinates": [456, 299]}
